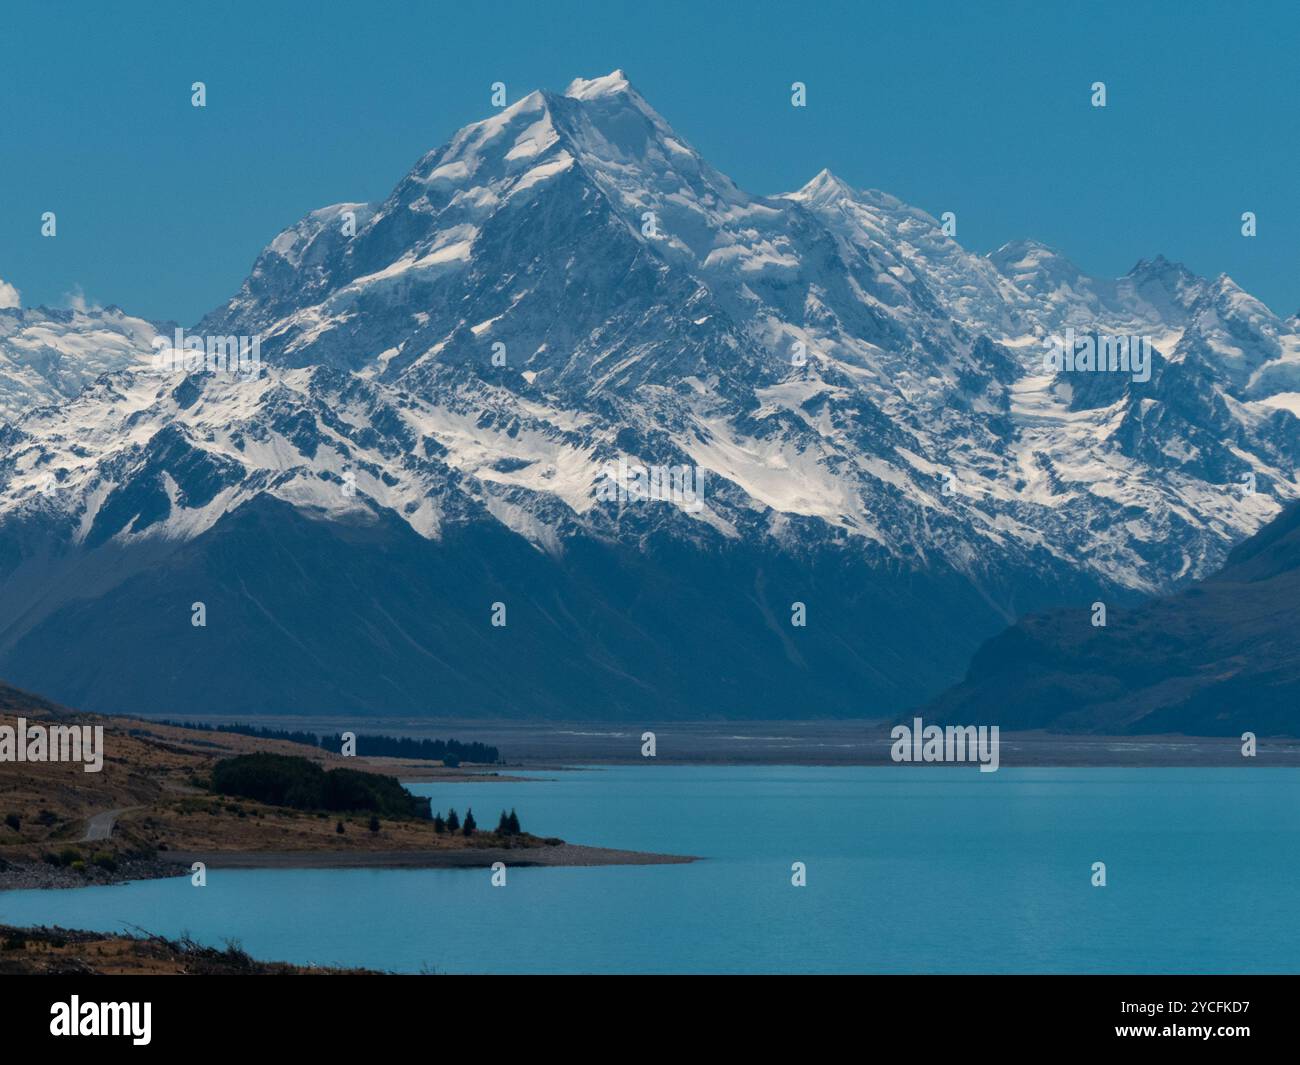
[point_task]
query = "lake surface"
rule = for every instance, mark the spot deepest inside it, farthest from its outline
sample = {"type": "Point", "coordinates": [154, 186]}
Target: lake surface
{"type": "Point", "coordinates": [909, 869]}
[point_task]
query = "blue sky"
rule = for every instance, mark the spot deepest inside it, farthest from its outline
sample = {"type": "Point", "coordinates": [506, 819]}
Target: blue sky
{"type": "Point", "coordinates": [978, 109]}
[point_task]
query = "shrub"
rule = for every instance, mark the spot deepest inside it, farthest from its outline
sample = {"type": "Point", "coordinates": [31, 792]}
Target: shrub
{"type": "Point", "coordinates": [285, 780]}
{"type": "Point", "coordinates": [13, 821]}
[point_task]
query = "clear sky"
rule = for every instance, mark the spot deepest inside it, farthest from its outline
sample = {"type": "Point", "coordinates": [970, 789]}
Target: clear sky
{"type": "Point", "coordinates": [981, 109]}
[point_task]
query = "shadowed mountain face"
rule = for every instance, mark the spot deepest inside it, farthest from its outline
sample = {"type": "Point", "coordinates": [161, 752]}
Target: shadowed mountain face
{"type": "Point", "coordinates": [456, 383]}
{"type": "Point", "coordinates": [1219, 659]}
{"type": "Point", "coordinates": [368, 616]}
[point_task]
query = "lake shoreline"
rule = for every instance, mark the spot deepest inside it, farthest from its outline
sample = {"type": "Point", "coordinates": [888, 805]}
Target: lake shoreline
{"type": "Point", "coordinates": [45, 950]}
{"type": "Point", "coordinates": [562, 854]}
{"type": "Point", "coordinates": [40, 876]}
{"type": "Point", "coordinates": [533, 746]}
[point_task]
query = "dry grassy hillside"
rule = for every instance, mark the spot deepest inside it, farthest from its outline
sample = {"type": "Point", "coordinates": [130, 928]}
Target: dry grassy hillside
{"type": "Point", "coordinates": [152, 797]}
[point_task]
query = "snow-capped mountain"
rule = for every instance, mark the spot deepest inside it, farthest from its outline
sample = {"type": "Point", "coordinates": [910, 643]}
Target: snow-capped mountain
{"type": "Point", "coordinates": [48, 356]}
{"type": "Point", "coordinates": [451, 377]}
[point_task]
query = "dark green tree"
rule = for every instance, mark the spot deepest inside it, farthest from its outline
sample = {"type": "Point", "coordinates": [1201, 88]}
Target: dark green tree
{"type": "Point", "coordinates": [514, 822]}
{"type": "Point", "coordinates": [439, 825]}
{"type": "Point", "coordinates": [470, 826]}
{"type": "Point", "coordinates": [339, 828]}
{"type": "Point", "coordinates": [374, 823]}
{"type": "Point", "coordinates": [503, 826]}
{"type": "Point", "coordinates": [453, 820]}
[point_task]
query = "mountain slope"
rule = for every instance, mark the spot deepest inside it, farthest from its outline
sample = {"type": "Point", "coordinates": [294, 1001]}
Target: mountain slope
{"type": "Point", "coordinates": [1220, 658]}
{"type": "Point", "coordinates": [368, 616]}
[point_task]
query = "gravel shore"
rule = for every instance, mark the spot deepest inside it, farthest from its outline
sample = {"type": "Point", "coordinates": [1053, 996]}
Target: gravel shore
{"type": "Point", "coordinates": [25, 876]}
{"type": "Point", "coordinates": [572, 854]}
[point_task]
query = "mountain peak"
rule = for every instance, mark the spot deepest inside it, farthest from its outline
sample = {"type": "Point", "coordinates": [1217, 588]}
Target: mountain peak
{"type": "Point", "coordinates": [824, 188]}
{"type": "Point", "coordinates": [611, 95]}
{"type": "Point", "coordinates": [612, 84]}
{"type": "Point", "coordinates": [1230, 297]}
{"type": "Point", "coordinates": [1019, 249]}
{"type": "Point", "coordinates": [1159, 266]}
{"type": "Point", "coordinates": [1023, 260]}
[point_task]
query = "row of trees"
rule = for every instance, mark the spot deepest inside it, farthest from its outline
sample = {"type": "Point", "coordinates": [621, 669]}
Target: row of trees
{"type": "Point", "coordinates": [450, 752]}
{"type": "Point", "coordinates": [507, 826]}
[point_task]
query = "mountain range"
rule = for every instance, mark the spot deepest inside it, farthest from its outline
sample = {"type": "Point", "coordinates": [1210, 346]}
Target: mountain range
{"type": "Point", "coordinates": [452, 379]}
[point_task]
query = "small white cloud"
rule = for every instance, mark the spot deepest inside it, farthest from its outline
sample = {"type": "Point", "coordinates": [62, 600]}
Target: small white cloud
{"type": "Point", "coordinates": [9, 296]}
{"type": "Point", "coordinates": [76, 301]}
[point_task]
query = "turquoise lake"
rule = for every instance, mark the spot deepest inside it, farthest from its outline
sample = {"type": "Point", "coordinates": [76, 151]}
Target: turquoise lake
{"type": "Point", "coordinates": [909, 869]}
